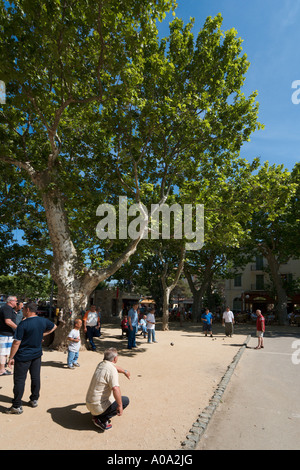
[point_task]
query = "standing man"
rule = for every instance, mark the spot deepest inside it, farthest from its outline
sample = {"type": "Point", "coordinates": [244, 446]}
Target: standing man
{"type": "Point", "coordinates": [26, 353]}
{"type": "Point", "coordinates": [91, 325]}
{"type": "Point", "coordinates": [8, 324]}
{"type": "Point", "coordinates": [19, 312]}
{"type": "Point", "coordinates": [207, 322]}
{"type": "Point", "coordinates": [104, 399]}
{"type": "Point", "coordinates": [133, 321]}
{"type": "Point", "coordinates": [228, 321]}
{"type": "Point", "coordinates": [260, 329]}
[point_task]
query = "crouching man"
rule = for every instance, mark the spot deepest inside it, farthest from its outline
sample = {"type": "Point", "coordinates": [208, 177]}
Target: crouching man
{"type": "Point", "coordinates": [104, 399]}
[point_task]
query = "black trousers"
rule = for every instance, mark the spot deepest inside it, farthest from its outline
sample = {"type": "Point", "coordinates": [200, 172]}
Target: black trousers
{"type": "Point", "coordinates": [20, 373]}
{"type": "Point", "coordinates": [112, 410]}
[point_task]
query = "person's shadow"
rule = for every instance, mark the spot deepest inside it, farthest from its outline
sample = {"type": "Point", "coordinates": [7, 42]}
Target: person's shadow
{"type": "Point", "coordinates": [7, 400]}
{"type": "Point", "coordinates": [70, 418]}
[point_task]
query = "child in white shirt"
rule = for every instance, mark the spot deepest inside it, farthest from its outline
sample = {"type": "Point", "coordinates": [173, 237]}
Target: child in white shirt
{"type": "Point", "coordinates": [151, 326]}
{"type": "Point", "coordinates": [74, 345]}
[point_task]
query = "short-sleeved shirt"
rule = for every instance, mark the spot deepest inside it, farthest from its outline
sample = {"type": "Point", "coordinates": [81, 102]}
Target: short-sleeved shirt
{"type": "Point", "coordinates": [260, 323]}
{"type": "Point", "coordinates": [150, 318]}
{"type": "Point", "coordinates": [30, 332]}
{"type": "Point", "coordinates": [134, 317]}
{"type": "Point", "coordinates": [7, 313]}
{"type": "Point", "coordinates": [207, 317]}
{"type": "Point", "coordinates": [228, 317]}
{"type": "Point", "coordinates": [99, 394]}
{"type": "Point", "coordinates": [74, 346]}
{"type": "Point", "coordinates": [91, 318]}
{"type": "Point", "coordinates": [19, 316]}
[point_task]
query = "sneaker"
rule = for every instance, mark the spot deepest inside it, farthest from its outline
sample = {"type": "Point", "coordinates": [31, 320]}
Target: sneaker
{"type": "Point", "coordinates": [33, 403]}
{"type": "Point", "coordinates": [14, 411]}
{"type": "Point", "coordinates": [76, 364]}
{"type": "Point", "coordinates": [71, 367]}
{"type": "Point", "coordinates": [100, 424]}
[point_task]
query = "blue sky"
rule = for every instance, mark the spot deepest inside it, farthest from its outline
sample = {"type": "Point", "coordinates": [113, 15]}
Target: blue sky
{"type": "Point", "coordinates": [271, 34]}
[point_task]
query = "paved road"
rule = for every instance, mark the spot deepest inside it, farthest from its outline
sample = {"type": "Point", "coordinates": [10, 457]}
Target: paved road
{"type": "Point", "coordinates": [260, 408]}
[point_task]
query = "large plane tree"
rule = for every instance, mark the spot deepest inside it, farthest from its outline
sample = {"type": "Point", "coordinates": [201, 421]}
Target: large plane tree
{"type": "Point", "coordinates": [98, 106]}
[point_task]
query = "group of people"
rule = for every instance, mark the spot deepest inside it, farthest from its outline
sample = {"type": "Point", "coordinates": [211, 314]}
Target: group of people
{"type": "Point", "coordinates": [228, 322]}
{"type": "Point", "coordinates": [21, 347]}
{"type": "Point", "coordinates": [131, 324]}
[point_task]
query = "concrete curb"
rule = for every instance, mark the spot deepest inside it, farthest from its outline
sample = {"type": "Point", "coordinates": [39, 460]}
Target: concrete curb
{"type": "Point", "coordinates": [199, 427]}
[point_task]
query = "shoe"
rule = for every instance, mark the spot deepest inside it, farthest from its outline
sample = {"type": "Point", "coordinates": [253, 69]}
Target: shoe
{"type": "Point", "coordinates": [6, 372]}
{"type": "Point", "coordinates": [71, 367]}
{"type": "Point", "coordinates": [76, 364]}
{"type": "Point", "coordinates": [33, 403]}
{"type": "Point", "coordinates": [100, 424]}
{"type": "Point", "coordinates": [14, 411]}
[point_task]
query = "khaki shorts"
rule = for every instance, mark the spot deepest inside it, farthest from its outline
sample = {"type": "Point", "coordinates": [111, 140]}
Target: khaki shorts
{"type": "Point", "coordinates": [259, 334]}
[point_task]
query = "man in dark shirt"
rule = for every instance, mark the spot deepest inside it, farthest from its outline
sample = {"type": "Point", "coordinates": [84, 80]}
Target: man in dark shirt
{"type": "Point", "coordinates": [26, 353]}
{"type": "Point", "coordinates": [7, 327]}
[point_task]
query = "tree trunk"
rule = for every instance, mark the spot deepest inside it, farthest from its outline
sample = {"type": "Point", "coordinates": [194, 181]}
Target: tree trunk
{"type": "Point", "coordinates": [75, 282]}
{"type": "Point", "coordinates": [168, 289]}
{"type": "Point", "coordinates": [199, 293]}
{"type": "Point", "coordinates": [166, 301]}
{"type": "Point", "coordinates": [197, 305]}
{"type": "Point", "coordinates": [281, 304]}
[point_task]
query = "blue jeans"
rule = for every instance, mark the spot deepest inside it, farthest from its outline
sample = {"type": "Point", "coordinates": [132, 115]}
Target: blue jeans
{"type": "Point", "coordinates": [131, 337]}
{"type": "Point", "coordinates": [112, 409]}
{"type": "Point", "coordinates": [72, 357]}
{"type": "Point", "coordinates": [151, 334]}
{"type": "Point", "coordinates": [92, 331]}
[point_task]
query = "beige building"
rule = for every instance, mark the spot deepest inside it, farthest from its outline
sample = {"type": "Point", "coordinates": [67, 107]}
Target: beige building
{"type": "Point", "coordinates": [112, 301]}
{"type": "Point", "coordinates": [252, 288]}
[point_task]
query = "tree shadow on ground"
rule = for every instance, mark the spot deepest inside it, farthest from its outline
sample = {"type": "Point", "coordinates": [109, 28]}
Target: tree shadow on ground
{"type": "Point", "coordinates": [104, 342]}
{"type": "Point", "coordinates": [120, 344]}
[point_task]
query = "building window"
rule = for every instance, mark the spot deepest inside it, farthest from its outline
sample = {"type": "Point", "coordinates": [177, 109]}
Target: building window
{"type": "Point", "coordinates": [238, 280]}
{"type": "Point", "coordinates": [287, 277]}
{"type": "Point", "coordinates": [259, 262]}
{"type": "Point", "coordinates": [259, 282]}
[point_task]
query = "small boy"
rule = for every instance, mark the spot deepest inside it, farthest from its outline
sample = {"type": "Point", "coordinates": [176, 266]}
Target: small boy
{"type": "Point", "coordinates": [151, 325]}
{"type": "Point", "coordinates": [74, 344]}
{"type": "Point", "coordinates": [260, 329]}
{"type": "Point", "coordinates": [207, 322]}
